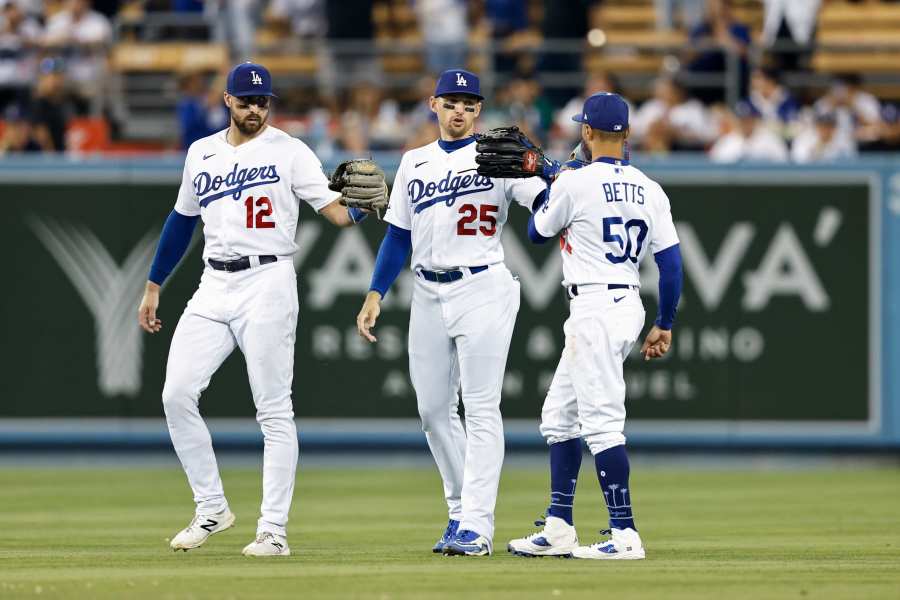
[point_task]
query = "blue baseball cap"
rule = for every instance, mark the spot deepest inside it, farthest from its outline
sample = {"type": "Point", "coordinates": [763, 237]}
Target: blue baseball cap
{"type": "Point", "coordinates": [604, 111]}
{"type": "Point", "coordinates": [249, 79]}
{"type": "Point", "coordinates": [458, 81]}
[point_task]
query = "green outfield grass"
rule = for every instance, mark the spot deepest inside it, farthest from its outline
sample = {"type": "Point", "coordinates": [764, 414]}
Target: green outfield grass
{"type": "Point", "coordinates": [367, 534]}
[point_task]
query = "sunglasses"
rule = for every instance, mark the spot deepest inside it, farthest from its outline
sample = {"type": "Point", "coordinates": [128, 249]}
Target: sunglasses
{"type": "Point", "coordinates": [259, 101]}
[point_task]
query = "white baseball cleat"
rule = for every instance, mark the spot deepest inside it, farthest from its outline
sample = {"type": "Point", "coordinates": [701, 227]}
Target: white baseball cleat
{"type": "Point", "coordinates": [267, 544]}
{"type": "Point", "coordinates": [625, 544]}
{"type": "Point", "coordinates": [558, 538]}
{"type": "Point", "coordinates": [468, 543]}
{"type": "Point", "coordinates": [201, 527]}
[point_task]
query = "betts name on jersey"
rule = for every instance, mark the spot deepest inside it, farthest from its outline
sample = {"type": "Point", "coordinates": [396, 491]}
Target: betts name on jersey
{"type": "Point", "coordinates": [609, 214]}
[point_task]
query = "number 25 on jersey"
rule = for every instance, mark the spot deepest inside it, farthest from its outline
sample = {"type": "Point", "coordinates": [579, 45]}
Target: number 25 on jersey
{"type": "Point", "coordinates": [469, 214]}
{"type": "Point", "coordinates": [258, 219]}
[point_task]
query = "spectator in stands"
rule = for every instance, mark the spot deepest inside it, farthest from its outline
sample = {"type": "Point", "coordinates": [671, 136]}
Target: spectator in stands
{"type": "Point", "coordinates": [777, 105]}
{"type": "Point", "coordinates": [691, 13]}
{"type": "Point", "coordinates": [307, 17]}
{"type": "Point", "coordinates": [564, 21]}
{"type": "Point", "coordinates": [370, 122]}
{"type": "Point", "coordinates": [52, 106]}
{"type": "Point", "coordinates": [824, 141]}
{"type": "Point", "coordinates": [519, 103]}
{"type": "Point", "coordinates": [200, 109]}
{"type": "Point", "coordinates": [885, 135]}
{"type": "Point", "coordinates": [509, 23]}
{"type": "Point", "coordinates": [789, 29]}
{"type": "Point", "coordinates": [82, 36]}
{"type": "Point", "coordinates": [672, 121]}
{"type": "Point", "coordinates": [445, 31]}
{"type": "Point", "coordinates": [347, 21]}
{"type": "Point", "coordinates": [748, 139]}
{"type": "Point", "coordinates": [19, 38]}
{"type": "Point", "coordinates": [568, 130]}
{"type": "Point", "coordinates": [718, 46]}
{"type": "Point", "coordinates": [18, 135]}
{"type": "Point", "coordinates": [856, 109]}
{"type": "Point", "coordinates": [235, 24]}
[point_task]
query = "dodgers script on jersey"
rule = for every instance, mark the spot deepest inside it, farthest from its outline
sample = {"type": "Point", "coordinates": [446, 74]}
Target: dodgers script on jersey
{"type": "Point", "coordinates": [610, 214]}
{"type": "Point", "coordinates": [248, 195]}
{"type": "Point", "coordinates": [456, 216]}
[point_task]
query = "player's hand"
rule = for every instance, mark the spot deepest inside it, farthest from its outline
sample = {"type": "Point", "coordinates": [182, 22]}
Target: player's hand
{"type": "Point", "coordinates": [147, 311]}
{"type": "Point", "coordinates": [367, 316]}
{"type": "Point", "coordinates": [657, 343]}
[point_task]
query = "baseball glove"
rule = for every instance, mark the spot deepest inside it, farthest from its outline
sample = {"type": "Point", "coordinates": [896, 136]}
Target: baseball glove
{"type": "Point", "coordinates": [507, 152]}
{"type": "Point", "coordinates": [361, 184]}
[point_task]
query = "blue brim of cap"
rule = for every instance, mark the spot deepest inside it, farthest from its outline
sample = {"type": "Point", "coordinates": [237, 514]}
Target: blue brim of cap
{"type": "Point", "coordinates": [579, 119]}
{"type": "Point", "coordinates": [480, 97]}
{"type": "Point", "coordinates": [271, 94]}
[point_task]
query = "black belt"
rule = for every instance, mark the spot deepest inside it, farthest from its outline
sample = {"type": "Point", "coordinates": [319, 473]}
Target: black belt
{"type": "Point", "coordinates": [239, 264]}
{"type": "Point", "coordinates": [572, 290]}
{"type": "Point", "coordinates": [448, 276]}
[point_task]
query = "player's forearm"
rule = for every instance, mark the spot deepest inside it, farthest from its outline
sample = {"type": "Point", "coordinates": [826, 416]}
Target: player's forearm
{"type": "Point", "coordinates": [670, 281]}
{"type": "Point", "coordinates": [173, 243]}
{"type": "Point", "coordinates": [391, 258]}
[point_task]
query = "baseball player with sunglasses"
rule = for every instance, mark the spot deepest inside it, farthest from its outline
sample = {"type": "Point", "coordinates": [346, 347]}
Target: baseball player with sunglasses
{"type": "Point", "coordinates": [464, 304]}
{"type": "Point", "coordinates": [246, 184]}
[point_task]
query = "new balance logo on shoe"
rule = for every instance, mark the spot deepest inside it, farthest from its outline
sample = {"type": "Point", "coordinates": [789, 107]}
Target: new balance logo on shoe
{"type": "Point", "coordinates": [209, 525]}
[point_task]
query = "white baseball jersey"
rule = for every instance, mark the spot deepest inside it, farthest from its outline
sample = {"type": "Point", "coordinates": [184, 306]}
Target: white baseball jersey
{"type": "Point", "coordinates": [455, 215]}
{"type": "Point", "coordinates": [248, 195]}
{"type": "Point", "coordinates": [610, 214]}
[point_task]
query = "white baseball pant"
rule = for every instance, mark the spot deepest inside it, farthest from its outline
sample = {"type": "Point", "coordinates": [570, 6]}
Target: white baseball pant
{"type": "Point", "coordinates": [459, 335]}
{"type": "Point", "coordinates": [587, 395]}
{"type": "Point", "coordinates": [255, 310]}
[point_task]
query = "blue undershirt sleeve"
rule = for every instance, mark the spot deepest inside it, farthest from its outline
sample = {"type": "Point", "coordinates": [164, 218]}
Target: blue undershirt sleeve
{"type": "Point", "coordinates": [670, 280]}
{"type": "Point", "coordinates": [391, 258]}
{"type": "Point", "coordinates": [175, 238]}
{"type": "Point", "coordinates": [533, 234]}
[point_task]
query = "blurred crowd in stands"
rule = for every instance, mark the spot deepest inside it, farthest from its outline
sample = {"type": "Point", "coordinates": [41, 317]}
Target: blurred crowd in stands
{"type": "Point", "coordinates": [54, 67]}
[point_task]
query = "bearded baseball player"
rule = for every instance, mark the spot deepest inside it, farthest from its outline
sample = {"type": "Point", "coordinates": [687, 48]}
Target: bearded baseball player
{"type": "Point", "coordinates": [246, 184]}
{"type": "Point", "coordinates": [610, 215]}
{"type": "Point", "coordinates": [464, 304]}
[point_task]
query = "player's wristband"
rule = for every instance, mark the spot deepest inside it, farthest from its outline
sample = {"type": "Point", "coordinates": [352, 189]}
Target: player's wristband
{"type": "Point", "coordinates": [357, 215]}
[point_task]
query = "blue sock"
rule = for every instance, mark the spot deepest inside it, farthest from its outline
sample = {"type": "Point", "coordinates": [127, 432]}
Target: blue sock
{"type": "Point", "coordinates": [612, 471]}
{"type": "Point", "coordinates": [565, 461]}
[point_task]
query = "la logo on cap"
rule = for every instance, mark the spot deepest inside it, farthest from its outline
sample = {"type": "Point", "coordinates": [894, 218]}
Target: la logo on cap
{"type": "Point", "coordinates": [461, 81]}
{"type": "Point", "coordinates": [255, 79]}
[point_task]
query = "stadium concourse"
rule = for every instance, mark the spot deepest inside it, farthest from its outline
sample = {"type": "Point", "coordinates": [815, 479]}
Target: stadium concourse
{"type": "Point", "coordinates": [738, 79]}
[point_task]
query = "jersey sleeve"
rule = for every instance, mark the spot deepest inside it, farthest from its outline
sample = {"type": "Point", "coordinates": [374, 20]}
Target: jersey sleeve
{"type": "Point", "coordinates": [524, 191]}
{"type": "Point", "coordinates": [187, 204]}
{"type": "Point", "coordinates": [557, 213]}
{"type": "Point", "coordinates": [308, 181]}
{"type": "Point", "coordinates": [398, 210]}
{"type": "Point", "coordinates": [664, 234]}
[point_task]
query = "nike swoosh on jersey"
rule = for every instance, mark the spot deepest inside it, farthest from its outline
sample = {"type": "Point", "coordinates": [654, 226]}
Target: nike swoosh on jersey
{"type": "Point", "coordinates": [417, 165]}
{"type": "Point", "coordinates": [205, 156]}
{"type": "Point", "coordinates": [618, 299]}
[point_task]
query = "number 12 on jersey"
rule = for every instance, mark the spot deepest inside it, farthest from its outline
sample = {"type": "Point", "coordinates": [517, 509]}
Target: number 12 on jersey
{"type": "Point", "coordinates": [260, 221]}
{"type": "Point", "coordinates": [632, 237]}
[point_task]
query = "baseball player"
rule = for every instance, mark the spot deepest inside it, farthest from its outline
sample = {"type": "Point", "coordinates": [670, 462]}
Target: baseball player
{"type": "Point", "coordinates": [464, 304]}
{"type": "Point", "coordinates": [610, 215]}
{"type": "Point", "coordinates": [246, 183]}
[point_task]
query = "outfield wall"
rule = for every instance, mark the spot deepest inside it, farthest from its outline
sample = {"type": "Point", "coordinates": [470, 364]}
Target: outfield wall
{"type": "Point", "coordinates": [785, 338]}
